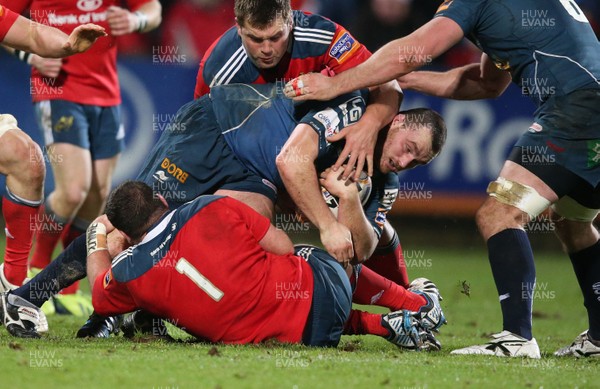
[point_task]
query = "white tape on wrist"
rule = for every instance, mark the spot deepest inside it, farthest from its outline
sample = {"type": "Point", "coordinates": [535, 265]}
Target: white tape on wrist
{"type": "Point", "coordinates": [142, 21]}
{"type": "Point", "coordinates": [96, 238]}
{"type": "Point", "coordinates": [7, 122]}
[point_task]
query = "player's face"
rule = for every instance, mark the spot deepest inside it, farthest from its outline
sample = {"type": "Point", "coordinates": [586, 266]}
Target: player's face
{"type": "Point", "coordinates": [406, 146]}
{"type": "Point", "coordinates": [266, 46]}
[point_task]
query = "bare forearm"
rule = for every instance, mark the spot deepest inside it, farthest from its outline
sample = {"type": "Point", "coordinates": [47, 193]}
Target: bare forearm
{"type": "Point", "coordinates": [384, 104]}
{"type": "Point", "coordinates": [153, 12]}
{"type": "Point", "coordinates": [277, 242]}
{"type": "Point", "coordinates": [32, 37]}
{"type": "Point", "coordinates": [470, 82]}
{"type": "Point", "coordinates": [97, 264]}
{"type": "Point", "coordinates": [384, 65]}
{"type": "Point", "coordinates": [351, 215]}
{"type": "Point", "coordinates": [300, 179]}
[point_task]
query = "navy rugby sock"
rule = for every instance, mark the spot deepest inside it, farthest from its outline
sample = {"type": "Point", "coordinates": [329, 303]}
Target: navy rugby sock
{"type": "Point", "coordinates": [513, 268]}
{"type": "Point", "coordinates": [67, 268]}
{"type": "Point", "coordinates": [586, 264]}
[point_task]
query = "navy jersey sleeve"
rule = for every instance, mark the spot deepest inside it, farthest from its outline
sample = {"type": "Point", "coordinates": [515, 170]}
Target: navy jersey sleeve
{"type": "Point", "coordinates": [464, 12]}
{"type": "Point", "coordinates": [382, 198]}
{"type": "Point", "coordinates": [330, 117]}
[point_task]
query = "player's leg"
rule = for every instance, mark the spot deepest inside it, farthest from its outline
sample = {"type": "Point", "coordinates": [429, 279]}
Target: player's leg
{"type": "Point", "coordinates": [22, 162]}
{"type": "Point", "coordinates": [374, 289]}
{"type": "Point", "coordinates": [515, 197]}
{"type": "Point", "coordinates": [65, 127]}
{"type": "Point", "coordinates": [580, 240]}
{"type": "Point", "coordinates": [387, 259]}
{"type": "Point", "coordinates": [93, 205]}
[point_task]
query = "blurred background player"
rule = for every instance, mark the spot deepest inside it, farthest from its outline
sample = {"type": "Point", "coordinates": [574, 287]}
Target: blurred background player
{"type": "Point", "coordinates": [21, 159]}
{"type": "Point", "coordinates": [555, 59]}
{"type": "Point", "coordinates": [77, 103]}
{"type": "Point", "coordinates": [271, 44]}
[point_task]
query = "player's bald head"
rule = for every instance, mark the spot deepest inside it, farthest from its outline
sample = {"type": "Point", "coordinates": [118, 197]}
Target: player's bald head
{"type": "Point", "coordinates": [261, 13]}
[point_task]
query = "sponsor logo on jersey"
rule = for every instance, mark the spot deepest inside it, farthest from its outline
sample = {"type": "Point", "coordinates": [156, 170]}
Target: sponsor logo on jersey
{"type": "Point", "coordinates": [535, 127]}
{"type": "Point", "coordinates": [330, 121]}
{"type": "Point", "coordinates": [304, 252]}
{"type": "Point", "coordinates": [444, 6]}
{"type": "Point", "coordinates": [89, 5]}
{"type": "Point", "coordinates": [389, 197]}
{"type": "Point", "coordinates": [1, 11]}
{"type": "Point", "coordinates": [174, 170]}
{"type": "Point", "coordinates": [107, 278]}
{"type": "Point", "coordinates": [160, 176]}
{"type": "Point", "coordinates": [64, 123]}
{"type": "Point", "coordinates": [380, 217]}
{"type": "Point", "coordinates": [593, 153]}
{"type": "Point", "coordinates": [343, 46]}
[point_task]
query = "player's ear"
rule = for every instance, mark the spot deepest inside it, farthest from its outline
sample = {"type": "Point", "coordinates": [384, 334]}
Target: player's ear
{"type": "Point", "coordinates": [127, 238]}
{"type": "Point", "coordinates": [163, 201]}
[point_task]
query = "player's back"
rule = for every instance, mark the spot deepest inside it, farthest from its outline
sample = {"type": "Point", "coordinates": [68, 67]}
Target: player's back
{"type": "Point", "coordinates": [547, 45]}
{"type": "Point", "coordinates": [201, 266]}
{"type": "Point", "coordinates": [257, 120]}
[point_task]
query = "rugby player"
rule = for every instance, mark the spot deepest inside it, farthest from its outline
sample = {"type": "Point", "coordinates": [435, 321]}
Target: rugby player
{"type": "Point", "coordinates": [272, 43]}
{"type": "Point", "coordinates": [259, 128]}
{"type": "Point", "coordinates": [21, 159]}
{"type": "Point", "coordinates": [226, 287]}
{"type": "Point", "coordinates": [554, 56]}
{"type": "Point", "coordinates": [77, 104]}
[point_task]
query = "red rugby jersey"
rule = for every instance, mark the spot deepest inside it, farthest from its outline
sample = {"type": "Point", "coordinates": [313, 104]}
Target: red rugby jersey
{"type": "Point", "coordinates": [202, 268]}
{"type": "Point", "coordinates": [87, 78]}
{"type": "Point", "coordinates": [317, 43]}
{"type": "Point", "coordinates": [7, 19]}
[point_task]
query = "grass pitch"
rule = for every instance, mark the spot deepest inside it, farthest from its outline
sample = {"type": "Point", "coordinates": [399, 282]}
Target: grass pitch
{"type": "Point", "coordinates": [470, 303]}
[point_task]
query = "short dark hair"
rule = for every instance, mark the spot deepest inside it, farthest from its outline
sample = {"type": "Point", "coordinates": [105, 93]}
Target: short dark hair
{"type": "Point", "coordinates": [261, 13]}
{"type": "Point", "coordinates": [131, 207]}
{"type": "Point", "coordinates": [430, 119]}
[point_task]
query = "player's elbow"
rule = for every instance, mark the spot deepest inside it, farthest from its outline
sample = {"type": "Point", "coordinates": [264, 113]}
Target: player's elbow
{"type": "Point", "coordinates": [364, 249]}
{"type": "Point", "coordinates": [283, 163]}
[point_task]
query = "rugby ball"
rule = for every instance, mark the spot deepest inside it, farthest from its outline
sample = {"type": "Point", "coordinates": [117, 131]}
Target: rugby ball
{"type": "Point", "coordinates": [364, 186]}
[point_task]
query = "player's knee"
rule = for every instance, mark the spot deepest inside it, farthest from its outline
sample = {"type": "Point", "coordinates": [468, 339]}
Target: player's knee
{"type": "Point", "coordinates": [36, 167]}
{"type": "Point", "coordinates": [72, 197]}
{"type": "Point", "coordinates": [573, 224]}
{"type": "Point", "coordinates": [23, 158]}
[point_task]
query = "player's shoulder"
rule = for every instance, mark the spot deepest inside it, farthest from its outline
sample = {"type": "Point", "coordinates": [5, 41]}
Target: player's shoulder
{"type": "Point", "coordinates": [463, 8]}
{"type": "Point", "coordinates": [313, 34]}
{"type": "Point", "coordinates": [224, 63]}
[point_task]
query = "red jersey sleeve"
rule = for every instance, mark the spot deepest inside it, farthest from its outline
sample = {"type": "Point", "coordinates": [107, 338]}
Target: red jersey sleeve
{"type": "Point", "coordinates": [257, 224]}
{"type": "Point", "coordinates": [17, 6]}
{"type": "Point", "coordinates": [110, 297]}
{"type": "Point", "coordinates": [201, 88]}
{"type": "Point", "coordinates": [345, 51]}
{"type": "Point", "coordinates": [133, 5]}
{"type": "Point", "coordinates": [7, 19]}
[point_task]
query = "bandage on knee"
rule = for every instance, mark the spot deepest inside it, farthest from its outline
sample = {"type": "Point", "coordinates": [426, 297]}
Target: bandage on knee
{"type": "Point", "coordinates": [570, 209]}
{"type": "Point", "coordinates": [523, 197]}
